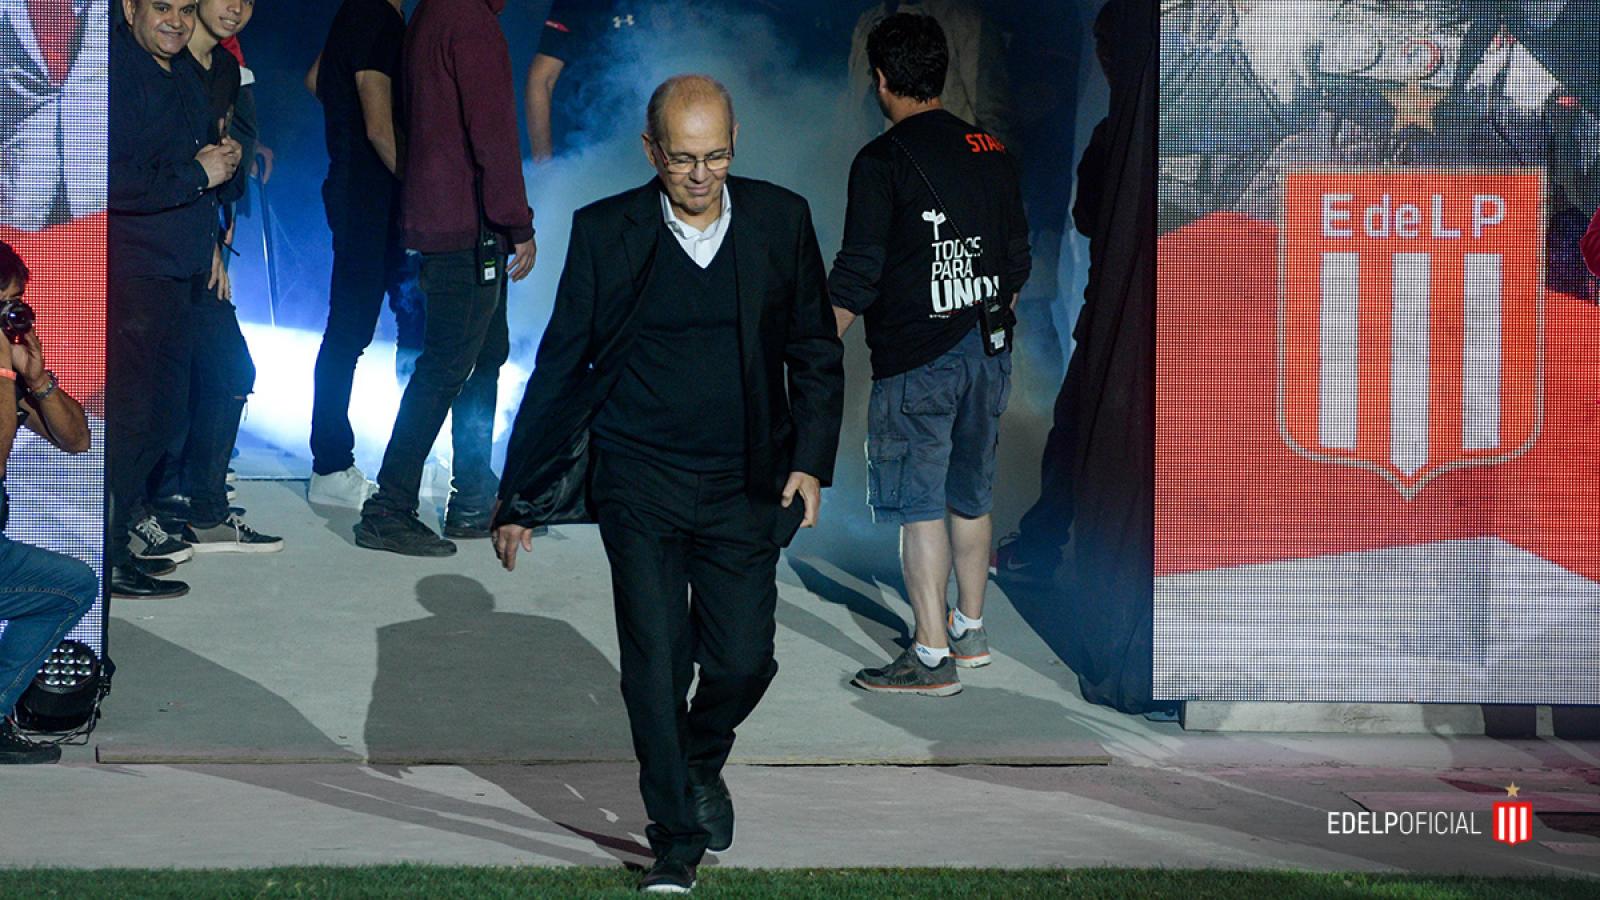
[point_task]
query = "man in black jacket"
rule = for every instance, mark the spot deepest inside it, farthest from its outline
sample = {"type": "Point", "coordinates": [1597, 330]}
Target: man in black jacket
{"type": "Point", "coordinates": [163, 176]}
{"type": "Point", "coordinates": [692, 357]}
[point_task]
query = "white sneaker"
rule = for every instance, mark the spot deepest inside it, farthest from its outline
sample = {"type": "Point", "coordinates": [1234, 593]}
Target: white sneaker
{"type": "Point", "coordinates": [348, 488]}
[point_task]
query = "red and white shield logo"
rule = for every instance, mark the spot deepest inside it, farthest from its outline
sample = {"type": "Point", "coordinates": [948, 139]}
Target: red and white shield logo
{"type": "Point", "coordinates": [1513, 822]}
{"type": "Point", "coordinates": [1411, 323]}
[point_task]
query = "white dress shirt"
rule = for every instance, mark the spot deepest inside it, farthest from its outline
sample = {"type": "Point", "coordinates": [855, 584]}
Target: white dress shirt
{"type": "Point", "coordinates": [702, 246]}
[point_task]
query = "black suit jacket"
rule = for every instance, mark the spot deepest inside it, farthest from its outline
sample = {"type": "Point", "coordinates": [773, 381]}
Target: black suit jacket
{"type": "Point", "coordinates": [788, 341]}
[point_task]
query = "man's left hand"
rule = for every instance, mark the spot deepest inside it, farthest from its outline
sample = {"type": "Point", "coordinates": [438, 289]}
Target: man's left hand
{"type": "Point", "coordinates": [27, 359]}
{"type": "Point", "coordinates": [810, 490]}
{"type": "Point", "coordinates": [219, 277]}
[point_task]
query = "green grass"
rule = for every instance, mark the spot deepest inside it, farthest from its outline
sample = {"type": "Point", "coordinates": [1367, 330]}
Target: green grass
{"type": "Point", "coordinates": [856, 884]}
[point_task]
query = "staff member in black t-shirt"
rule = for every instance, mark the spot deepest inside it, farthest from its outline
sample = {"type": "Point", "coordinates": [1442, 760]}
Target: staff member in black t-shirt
{"type": "Point", "coordinates": [935, 227]}
{"type": "Point", "coordinates": [354, 78]}
{"type": "Point", "coordinates": [574, 37]}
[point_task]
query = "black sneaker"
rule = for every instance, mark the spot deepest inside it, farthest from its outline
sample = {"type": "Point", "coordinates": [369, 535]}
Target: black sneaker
{"type": "Point", "coordinates": [907, 675]}
{"type": "Point", "coordinates": [713, 809]}
{"type": "Point", "coordinates": [467, 520]}
{"type": "Point", "coordinates": [668, 876]}
{"type": "Point", "coordinates": [156, 543]}
{"type": "Point", "coordinates": [400, 533]}
{"type": "Point", "coordinates": [17, 750]}
{"type": "Point", "coordinates": [1008, 561]}
{"type": "Point", "coordinates": [128, 582]}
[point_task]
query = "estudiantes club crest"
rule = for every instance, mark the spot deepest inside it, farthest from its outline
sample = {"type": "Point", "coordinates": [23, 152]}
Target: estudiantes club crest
{"type": "Point", "coordinates": [1513, 822]}
{"type": "Point", "coordinates": [1411, 319]}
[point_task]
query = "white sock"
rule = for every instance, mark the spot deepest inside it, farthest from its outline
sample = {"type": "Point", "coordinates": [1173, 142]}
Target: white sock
{"type": "Point", "coordinates": [931, 656]}
{"type": "Point", "coordinates": [960, 624]}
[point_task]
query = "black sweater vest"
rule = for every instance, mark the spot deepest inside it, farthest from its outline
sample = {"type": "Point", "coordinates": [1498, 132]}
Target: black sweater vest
{"type": "Point", "coordinates": [681, 398]}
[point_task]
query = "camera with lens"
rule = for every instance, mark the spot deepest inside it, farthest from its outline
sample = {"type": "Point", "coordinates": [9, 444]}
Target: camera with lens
{"type": "Point", "coordinates": [16, 319]}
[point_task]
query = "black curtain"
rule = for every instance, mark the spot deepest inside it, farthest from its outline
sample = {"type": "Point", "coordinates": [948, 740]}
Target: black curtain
{"type": "Point", "coordinates": [1108, 577]}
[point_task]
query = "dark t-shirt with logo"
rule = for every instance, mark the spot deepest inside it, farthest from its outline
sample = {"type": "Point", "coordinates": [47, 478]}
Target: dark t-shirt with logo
{"type": "Point", "coordinates": [594, 39]}
{"type": "Point", "coordinates": [916, 266]}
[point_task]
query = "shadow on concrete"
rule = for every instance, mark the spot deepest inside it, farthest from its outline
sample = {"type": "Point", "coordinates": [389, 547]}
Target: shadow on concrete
{"type": "Point", "coordinates": [972, 726]}
{"type": "Point", "coordinates": [176, 706]}
{"type": "Point", "coordinates": [469, 684]}
{"type": "Point", "coordinates": [872, 614]}
{"type": "Point", "coordinates": [387, 795]}
{"type": "Point", "coordinates": [171, 704]}
{"type": "Point", "coordinates": [339, 521]}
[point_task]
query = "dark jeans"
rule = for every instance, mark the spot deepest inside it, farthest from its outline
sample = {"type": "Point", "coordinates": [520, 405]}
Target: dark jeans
{"type": "Point", "coordinates": [222, 375]}
{"type": "Point", "coordinates": [149, 344]}
{"type": "Point", "coordinates": [465, 344]}
{"type": "Point", "coordinates": [368, 262]}
{"type": "Point", "coordinates": [42, 595]}
{"type": "Point", "coordinates": [693, 577]}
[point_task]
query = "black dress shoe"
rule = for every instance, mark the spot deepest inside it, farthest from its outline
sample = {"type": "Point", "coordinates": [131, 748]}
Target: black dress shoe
{"type": "Point", "coordinates": [155, 567]}
{"type": "Point", "coordinates": [468, 520]}
{"type": "Point", "coordinates": [668, 876]}
{"type": "Point", "coordinates": [127, 581]}
{"type": "Point", "coordinates": [713, 809]}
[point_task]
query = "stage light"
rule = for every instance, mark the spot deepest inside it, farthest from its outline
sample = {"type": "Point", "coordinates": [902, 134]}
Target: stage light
{"type": "Point", "coordinates": [65, 695]}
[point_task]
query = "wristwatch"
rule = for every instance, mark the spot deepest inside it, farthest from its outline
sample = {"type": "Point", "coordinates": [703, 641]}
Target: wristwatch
{"type": "Point", "coordinates": [41, 395]}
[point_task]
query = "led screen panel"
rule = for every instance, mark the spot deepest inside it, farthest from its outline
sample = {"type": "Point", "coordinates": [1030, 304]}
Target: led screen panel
{"type": "Point", "coordinates": [1378, 352]}
{"type": "Point", "coordinates": [52, 210]}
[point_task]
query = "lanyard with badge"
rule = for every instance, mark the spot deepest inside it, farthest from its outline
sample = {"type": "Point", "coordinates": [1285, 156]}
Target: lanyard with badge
{"type": "Point", "coordinates": [995, 315]}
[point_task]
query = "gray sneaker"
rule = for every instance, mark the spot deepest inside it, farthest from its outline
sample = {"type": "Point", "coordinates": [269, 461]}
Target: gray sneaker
{"type": "Point", "coordinates": [971, 649]}
{"type": "Point", "coordinates": [907, 675]}
{"type": "Point", "coordinates": [232, 536]}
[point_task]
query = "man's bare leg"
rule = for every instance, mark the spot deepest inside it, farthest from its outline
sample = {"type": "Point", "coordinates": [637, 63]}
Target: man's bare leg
{"type": "Point", "coordinates": [925, 562]}
{"type": "Point", "coordinates": [970, 540]}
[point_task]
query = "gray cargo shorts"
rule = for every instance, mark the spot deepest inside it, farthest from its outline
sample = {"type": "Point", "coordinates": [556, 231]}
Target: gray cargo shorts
{"type": "Point", "coordinates": [932, 433]}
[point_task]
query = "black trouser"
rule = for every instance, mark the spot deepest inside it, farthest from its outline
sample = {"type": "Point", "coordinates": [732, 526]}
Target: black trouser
{"type": "Point", "coordinates": [367, 263]}
{"type": "Point", "coordinates": [1047, 525]}
{"type": "Point", "coordinates": [693, 577]}
{"type": "Point", "coordinates": [463, 348]}
{"type": "Point", "coordinates": [149, 342]}
{"type": "Point", "coordinates": [221, 376]}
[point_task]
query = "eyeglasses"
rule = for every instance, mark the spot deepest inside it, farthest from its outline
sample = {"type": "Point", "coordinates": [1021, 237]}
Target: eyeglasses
{"type": "Point", "coordinates": [683, 164]}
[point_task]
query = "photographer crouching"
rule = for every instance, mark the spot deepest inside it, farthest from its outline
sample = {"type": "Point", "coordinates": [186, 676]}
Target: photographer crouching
{"type": "Point", "coordinates": [42, 594]}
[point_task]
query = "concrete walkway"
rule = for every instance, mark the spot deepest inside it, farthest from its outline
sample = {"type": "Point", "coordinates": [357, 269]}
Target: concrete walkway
{"type": "Point", "coordinates": [330, 653]}
{"type": "Point", "coordinates": [330, 705]}
{"type": "Point", "coordinates": [1203, 815]}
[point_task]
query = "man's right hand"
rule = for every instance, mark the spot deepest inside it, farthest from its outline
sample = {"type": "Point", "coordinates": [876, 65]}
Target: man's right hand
{"type": "Point", "coordinates": [522, 259]}
{"type": "Point", "coordinates": [507, 539]}
{"type": "Point", "coordinates": [219, 160]}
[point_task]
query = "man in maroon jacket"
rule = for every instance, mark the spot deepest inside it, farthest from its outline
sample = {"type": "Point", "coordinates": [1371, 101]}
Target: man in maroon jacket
{"type": "Point", "coordinates": [1591, 245]}
{"type": "Point", "coordinates": [461, 186]}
